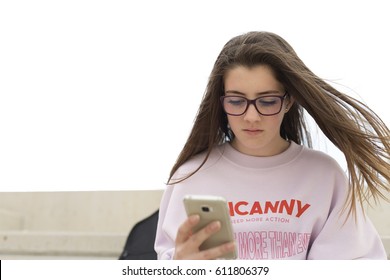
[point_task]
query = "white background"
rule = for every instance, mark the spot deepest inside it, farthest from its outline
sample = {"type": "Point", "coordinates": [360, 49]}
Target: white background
{"type": "Point", "coordinates": [101, 95]}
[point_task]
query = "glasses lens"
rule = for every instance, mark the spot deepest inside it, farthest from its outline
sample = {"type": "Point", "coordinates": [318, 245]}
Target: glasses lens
{"type": "Point", "coordinates": [234, 105]}
{"type": "Point", "coordinates": [269, 105]}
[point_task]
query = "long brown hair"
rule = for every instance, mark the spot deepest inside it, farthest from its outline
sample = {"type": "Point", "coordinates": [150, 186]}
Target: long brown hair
{"type": "Point", "coordinates": [349, 124]}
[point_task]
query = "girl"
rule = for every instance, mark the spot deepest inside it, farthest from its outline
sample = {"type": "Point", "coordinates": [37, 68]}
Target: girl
{"type": "Point", "coordinates": [250, 144]}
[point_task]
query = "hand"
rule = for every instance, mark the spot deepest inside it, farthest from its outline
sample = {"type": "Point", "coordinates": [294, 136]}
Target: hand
{"type": "Point", "coordinates": [187, 243]}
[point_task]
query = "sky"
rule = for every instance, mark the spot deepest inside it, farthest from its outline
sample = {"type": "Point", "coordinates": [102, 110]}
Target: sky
{"type": "Point", "coordinates": [101, 95]}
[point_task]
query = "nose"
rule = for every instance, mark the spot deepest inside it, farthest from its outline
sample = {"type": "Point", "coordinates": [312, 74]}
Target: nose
{"type": "Point", "coordinates": [251, 114]}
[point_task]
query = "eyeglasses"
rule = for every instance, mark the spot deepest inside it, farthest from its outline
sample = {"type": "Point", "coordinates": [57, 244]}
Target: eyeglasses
{"type": "Point", "coordinates": [265, 105]}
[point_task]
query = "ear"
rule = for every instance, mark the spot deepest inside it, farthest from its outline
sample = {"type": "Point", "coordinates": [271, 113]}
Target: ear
{"type": "Point", "coordinates": [289, 102]}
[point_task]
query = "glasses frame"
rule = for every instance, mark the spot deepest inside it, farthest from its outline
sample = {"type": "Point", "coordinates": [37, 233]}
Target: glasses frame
{"type": "Point", "coordinates": [253, 101]}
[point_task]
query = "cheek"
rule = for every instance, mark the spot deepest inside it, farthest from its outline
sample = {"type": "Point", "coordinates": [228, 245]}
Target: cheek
{"type": "Point", "coordinates": [275, 123]}
{"type": "Point", "coordinates": [233, 121]}
{"type": "Point", "coordinates": [234, 124]}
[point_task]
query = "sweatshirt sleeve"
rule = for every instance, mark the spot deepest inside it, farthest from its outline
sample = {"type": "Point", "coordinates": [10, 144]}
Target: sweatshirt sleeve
{"type": "Point", "coordinates": [164, 245]}
{"type": "Point", "coordinates": [343, 236]}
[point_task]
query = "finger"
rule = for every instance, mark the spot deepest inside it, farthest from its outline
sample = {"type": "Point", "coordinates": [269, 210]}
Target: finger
{"type": "Point", "coordinates": [187, 245]}
{"type": "Point", "coordinates": [185, 229]}
{"type": "Point", "coordinates": [216, 252]}
{"type": "Point", "coordinates": [199, 237]}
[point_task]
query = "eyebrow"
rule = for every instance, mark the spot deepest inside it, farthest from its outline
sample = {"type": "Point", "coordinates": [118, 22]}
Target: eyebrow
{"type": "Point", "coordinates": [259, 93]}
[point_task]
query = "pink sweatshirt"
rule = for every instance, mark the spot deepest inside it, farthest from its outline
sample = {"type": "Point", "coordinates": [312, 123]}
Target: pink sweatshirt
{"type": "Point", "coordinates": [287, 206]}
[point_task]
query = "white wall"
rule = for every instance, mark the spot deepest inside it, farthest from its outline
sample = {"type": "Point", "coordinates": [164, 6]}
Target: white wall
{"type": "Point", "coordinates": [71, 224]}
{"type": "Point", "coordinates": [379, 215]}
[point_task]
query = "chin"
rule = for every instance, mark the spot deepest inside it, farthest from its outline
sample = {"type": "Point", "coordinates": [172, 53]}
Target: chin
{"type": "Point", "coordinates": [256, 148]}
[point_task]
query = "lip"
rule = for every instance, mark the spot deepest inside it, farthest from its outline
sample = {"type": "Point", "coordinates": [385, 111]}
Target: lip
{"type": "Point", "coordinates": [253, 131]}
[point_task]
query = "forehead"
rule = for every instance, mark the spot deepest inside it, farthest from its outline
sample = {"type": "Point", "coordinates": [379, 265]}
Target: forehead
{"type": "Point", "coordinates": [250, 80]}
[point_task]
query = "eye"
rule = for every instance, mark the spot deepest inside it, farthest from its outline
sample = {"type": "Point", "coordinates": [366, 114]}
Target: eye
{"type": "Point", "coordinates": [268, 101]}
{"type": "Point", "coordinates": [235, 101]}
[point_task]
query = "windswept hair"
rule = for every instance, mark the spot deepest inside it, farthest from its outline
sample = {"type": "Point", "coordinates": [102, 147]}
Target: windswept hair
{"type": "Point", "coordinates": [348, 123]}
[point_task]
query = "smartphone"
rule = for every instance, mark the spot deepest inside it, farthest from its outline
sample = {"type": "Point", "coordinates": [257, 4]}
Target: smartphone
{"type": "Point", "coordinates": [210, 209]}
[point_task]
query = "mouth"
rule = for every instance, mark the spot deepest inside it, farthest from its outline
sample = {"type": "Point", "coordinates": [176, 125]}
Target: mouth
{"type": "Point", "coordinates": [253, 131]}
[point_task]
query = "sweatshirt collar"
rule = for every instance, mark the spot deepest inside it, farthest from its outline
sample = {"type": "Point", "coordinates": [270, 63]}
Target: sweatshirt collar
{"type": "Point", "coordinates": [238, 158]}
